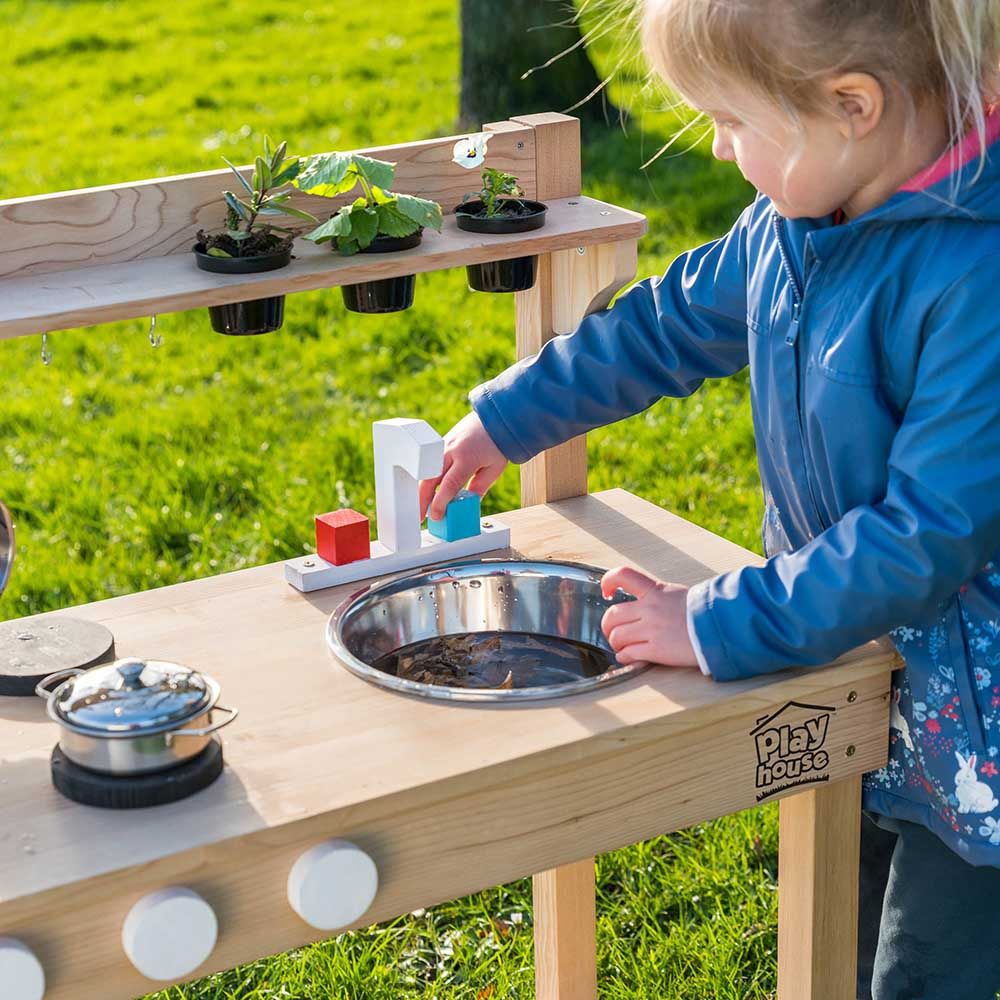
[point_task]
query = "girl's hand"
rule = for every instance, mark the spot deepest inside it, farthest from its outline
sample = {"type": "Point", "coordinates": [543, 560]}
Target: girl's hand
{"type": "Point", "coordinates": [652, 628]}
{"type": "Point", "coordinates": [469, 453]}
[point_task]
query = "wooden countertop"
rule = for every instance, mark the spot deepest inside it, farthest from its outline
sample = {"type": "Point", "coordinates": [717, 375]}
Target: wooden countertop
{"type": "Point", "coordinates": [311, 737]}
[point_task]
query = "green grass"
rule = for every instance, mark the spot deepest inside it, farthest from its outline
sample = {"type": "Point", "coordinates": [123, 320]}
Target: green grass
{"type": "Point", "coordinates": [129, 468]}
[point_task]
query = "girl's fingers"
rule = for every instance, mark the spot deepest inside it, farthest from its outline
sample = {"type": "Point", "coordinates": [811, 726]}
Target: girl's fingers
{"type": "Point", "coordinates": [623, 636]}
{"type": "Point", "coordinates": [484, 479]}
{"type": "Point", "coordinates": [428, 486]}
{"type": "Point", "coordinates": [631, 580]}
{"type": "Point", "coordinates": [619, 614]}
{"type": "Point", "coordinates": [454, 478]}
{"type": "Point", "coordinates": [637, 652]}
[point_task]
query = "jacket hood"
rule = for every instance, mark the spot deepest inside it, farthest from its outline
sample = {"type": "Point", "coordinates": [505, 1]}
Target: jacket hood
{"type": "Point", "coordinates": [971, 191]}
{"type": "Point", "coordinates": [962, 188]}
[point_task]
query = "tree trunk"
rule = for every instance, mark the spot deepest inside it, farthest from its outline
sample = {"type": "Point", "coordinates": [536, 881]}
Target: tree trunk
{"type": "Point", "coordinates": [504, 39]}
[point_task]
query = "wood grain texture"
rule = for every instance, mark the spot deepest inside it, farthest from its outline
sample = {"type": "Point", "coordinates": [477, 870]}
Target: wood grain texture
{"type": "Point", "coordinates": [158, 217]}
{"type": "Point", "coordinates": [571, 284]}
{"type": "Point", "coordinates": [557, 153]}
{"type": "Point", "coordinates": [155, 285]}
{"type": "Point", "coordinates": [565, 914]}
{"type": "Point", "coordinates": [819, 836]}
{"type": "Point", "coordinates": [482, 795]}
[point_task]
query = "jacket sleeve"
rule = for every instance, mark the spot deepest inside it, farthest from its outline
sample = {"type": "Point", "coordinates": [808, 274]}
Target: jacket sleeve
{"type": "Point", "coordinates": [663, 337]}
{"type": "Point", "coordinates": [888, 563]}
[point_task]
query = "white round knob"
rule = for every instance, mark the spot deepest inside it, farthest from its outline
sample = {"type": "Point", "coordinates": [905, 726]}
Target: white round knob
{"type": "Point", "coordinates": [21, 973]}
{"type": "Point", "coordinates": [169, 933]}
{"type": "Point", "coordinates": [332, 884]}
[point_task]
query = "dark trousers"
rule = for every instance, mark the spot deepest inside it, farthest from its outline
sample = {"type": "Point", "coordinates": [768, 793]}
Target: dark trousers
{"type": "Point", "coordinates": [928, 921]}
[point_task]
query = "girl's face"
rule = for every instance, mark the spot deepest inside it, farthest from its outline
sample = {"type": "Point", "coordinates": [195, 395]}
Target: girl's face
{"type": "Point", "coordinates": [853, 153]}
{"type": "Point", "coordinates": [806, 172]}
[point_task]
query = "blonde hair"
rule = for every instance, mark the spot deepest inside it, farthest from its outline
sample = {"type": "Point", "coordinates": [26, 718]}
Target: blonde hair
{"type": "Point", "coordinates": [941, 51]}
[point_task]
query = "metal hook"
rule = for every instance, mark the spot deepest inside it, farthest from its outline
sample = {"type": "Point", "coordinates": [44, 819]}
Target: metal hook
{"type": "Point", "coordinates": [154, 339]}
{"type": "Point", "coordinates": [46, 354]}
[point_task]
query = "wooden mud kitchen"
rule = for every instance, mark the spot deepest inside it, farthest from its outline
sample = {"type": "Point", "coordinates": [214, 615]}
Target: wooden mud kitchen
{"type": "Point", "coordinates": [343, 803]}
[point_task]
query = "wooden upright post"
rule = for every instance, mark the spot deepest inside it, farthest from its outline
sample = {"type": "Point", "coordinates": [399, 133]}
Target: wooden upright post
{"type": "Point", "coordinates": [565, 914]}
{"type": "Point", "coordinates": [570, 284]}
{"type": "Point", "coordinates": [818, 844]}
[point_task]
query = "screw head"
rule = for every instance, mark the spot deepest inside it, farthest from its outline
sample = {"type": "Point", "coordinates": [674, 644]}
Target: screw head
{"type": "Point", "coordinates": [605, 213]}
{"type": "Point", "coordinates": [572, 203]}
{"type": "Point", "coordinates": [851, 750]}
{"type": "Point", "coordinates": [520, 145]}
{"type": "Point", "coordinates": [852, 695]}
{"type": "Point", "coordinates": [581, 250]}
{"type": "Point", "coordinates": [487, 524]}
{"type": "Point", "coordinates": [308, 562]}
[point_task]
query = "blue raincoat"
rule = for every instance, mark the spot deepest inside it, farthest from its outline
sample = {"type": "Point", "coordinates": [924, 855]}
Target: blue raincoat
{"type": "Point", "coordinates": [874, 354]}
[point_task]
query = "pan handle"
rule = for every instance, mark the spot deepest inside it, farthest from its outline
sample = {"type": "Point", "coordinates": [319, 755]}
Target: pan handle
{"type": "Point", "coordinates": [233, 712]}
{"type": "Point", "coordinates": [42, 687]}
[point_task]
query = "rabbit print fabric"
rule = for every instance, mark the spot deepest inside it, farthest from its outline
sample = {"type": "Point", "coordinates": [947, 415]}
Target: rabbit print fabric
{"type": "Point", "coordinates": [973, 795]}
{"type": "Point", "coordinates": [945, 724]}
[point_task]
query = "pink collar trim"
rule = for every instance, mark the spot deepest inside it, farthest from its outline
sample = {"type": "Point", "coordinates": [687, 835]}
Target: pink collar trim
{"type": "Point", "coordinates": [956, 156]}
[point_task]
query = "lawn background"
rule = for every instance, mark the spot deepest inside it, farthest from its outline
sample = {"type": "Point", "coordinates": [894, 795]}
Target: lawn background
{"type": "Point", "coordinates": [128, 468]}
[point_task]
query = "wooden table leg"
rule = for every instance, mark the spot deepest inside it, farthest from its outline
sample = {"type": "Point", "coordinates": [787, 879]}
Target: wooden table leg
{"type": "Point", "coordinates": [565, 933]}
{"type": "Point", "coordinates": [818, 850]}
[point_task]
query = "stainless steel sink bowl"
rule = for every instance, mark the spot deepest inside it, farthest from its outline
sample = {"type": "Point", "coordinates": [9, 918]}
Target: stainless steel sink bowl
{"type": "Point", "coordinates": [541, 599]}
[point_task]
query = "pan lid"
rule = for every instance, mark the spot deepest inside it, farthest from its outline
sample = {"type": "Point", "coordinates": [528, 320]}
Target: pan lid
{"type": "Point", "coordinates": [133, 695]}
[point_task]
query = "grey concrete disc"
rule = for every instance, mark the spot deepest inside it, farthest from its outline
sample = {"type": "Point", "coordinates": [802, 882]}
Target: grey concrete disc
{"type": "Point", "coordinates": [33, 648]}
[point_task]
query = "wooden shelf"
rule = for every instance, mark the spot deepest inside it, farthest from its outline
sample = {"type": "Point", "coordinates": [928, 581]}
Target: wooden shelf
{"type": "Point", "coordinates": [447, 798]}
{"type": "Point", "coordinates": [102, 293]}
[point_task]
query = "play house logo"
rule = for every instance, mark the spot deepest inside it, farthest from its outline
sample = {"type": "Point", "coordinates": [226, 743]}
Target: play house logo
{"type": "Point", "coordinates": [789, 747]}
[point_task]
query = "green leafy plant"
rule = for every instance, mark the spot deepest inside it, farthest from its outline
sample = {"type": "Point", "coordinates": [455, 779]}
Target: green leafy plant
{"type": "Point", "coordinates": [378, 211]}
{"type": "Point", "coordinates": [246, 235]}
{"type": "Point", "coordinates": [497, 188]}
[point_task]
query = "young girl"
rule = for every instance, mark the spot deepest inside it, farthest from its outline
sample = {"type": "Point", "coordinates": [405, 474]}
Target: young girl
{"type": "Point", "coordinates": [862, 287]}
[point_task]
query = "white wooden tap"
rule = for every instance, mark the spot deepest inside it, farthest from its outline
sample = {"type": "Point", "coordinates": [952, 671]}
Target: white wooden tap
{"type": "Point", "coordinates": [406, 451]}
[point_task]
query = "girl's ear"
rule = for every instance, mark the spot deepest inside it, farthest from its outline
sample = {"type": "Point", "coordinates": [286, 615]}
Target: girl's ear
{"type": "Point", "coordinates": [858, 101]}
{"type": "Point", "coordinates": [991, 90]}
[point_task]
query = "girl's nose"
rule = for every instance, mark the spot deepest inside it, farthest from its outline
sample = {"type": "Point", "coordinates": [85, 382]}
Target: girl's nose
{"type": "Point", "coordinates": [722, 147]}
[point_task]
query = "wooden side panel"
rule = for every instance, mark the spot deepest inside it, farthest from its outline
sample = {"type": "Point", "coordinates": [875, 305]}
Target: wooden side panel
{"type": "Point", "coordinates": [153, 218]}
{"type": "Point", "coordinates": [485, 827]}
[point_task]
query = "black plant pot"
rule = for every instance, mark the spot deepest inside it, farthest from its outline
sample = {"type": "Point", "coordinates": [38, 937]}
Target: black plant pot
{"type": "Point", "coordinates": [386, 294]}
{"type": "Point", "coordinates": [519, 216]}
{"type": "Point", "coordinates": [244, 319]}
{"type": "Point", "coordinates": [514, 275]}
